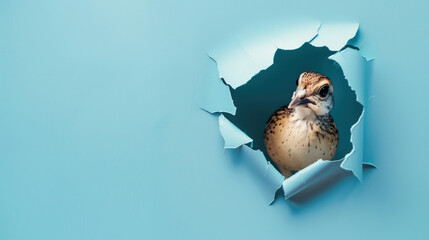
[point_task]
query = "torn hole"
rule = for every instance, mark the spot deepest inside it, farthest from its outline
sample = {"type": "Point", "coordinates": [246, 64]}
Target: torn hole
{"type": "Point", "coordinates": [272, 88]}
{"type": "Point", "coordinates": [329, 49]}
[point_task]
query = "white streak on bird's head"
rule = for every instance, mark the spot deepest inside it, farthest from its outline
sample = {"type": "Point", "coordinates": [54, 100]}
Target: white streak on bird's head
{"type": "Point", "coordinates": [315, 92]}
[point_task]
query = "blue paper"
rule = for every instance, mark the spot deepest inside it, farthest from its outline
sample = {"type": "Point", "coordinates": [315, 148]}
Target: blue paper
{"type": "Point", "coordinates": [242, 57]}
{"type": "Point", "coordinates": [335, 35]}
{"type": "Point", "coordinates": [232, 135]}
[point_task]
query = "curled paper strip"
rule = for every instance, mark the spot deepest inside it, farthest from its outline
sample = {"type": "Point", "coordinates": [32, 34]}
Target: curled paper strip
{"type": "Point", "coordinates": [243, 57]}
{"type": "Point", "coordinates": [232, 135]}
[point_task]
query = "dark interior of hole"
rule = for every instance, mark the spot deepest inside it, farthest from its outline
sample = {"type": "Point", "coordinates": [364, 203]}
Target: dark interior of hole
{"type": "Point", "coordinates": [272, 88]}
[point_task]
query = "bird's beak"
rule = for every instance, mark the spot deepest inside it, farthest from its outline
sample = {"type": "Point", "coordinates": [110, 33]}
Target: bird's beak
{"type": "Point", "coordinates": [298, 98]}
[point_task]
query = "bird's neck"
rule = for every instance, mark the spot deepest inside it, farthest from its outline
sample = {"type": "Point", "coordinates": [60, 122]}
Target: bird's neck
{"type": "Point", "coordinates": [303, 114]}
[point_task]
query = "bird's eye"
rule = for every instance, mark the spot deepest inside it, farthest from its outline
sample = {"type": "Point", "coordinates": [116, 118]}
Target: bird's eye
{"type": "Point", "coordinates": [324, 90]}
{"type": "Point", "coordinates": [297, 80]}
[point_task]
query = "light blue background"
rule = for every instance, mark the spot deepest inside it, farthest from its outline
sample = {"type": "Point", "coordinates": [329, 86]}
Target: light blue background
{"type": "Point", "coordinates": [101, 136]}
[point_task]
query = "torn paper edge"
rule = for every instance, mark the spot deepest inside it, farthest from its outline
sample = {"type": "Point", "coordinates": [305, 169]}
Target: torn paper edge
{"type": "Point", "coordinates": [214, 96]}
{"type": "Point", "coordinates": [246, 54]}
{"type": "Point", "coordinates": [232, 135]}
{"type": "Point", "coordinates": [241, 60]}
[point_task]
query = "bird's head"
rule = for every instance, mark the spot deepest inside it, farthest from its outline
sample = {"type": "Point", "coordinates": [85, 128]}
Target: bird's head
{"type": "Point", "coordinates": [315, 92]}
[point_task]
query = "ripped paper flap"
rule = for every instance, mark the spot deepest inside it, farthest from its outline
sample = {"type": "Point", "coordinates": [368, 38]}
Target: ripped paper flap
{"type": "Point", "coordinates": [242, 57]}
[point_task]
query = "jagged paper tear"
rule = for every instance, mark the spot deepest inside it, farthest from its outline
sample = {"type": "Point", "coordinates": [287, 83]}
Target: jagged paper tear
{"type": "Point", "coordinates": [245, 55]}
{"type": "Point", "coordinates": [215, 96]}
{"type": "Point", "coordinates": [271, 178]}
{"type": "Point", "coordinates": [335, 36]}
{"type": "Point", "coordinates": [232, 135]}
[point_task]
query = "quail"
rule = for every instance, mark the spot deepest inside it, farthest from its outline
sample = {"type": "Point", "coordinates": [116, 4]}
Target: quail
{"type": "Point", "coordinates": [299, 134]}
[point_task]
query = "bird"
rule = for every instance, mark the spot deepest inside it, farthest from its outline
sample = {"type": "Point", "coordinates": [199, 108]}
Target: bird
{"type": "Point", "coordinates": [299, 134]}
